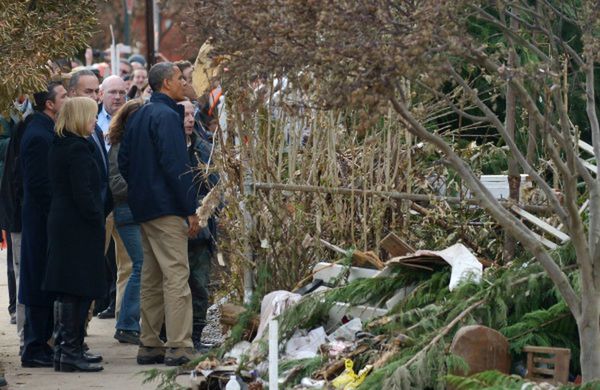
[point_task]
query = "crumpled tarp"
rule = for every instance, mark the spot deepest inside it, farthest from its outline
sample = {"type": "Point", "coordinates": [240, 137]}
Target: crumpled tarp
{"type": "Point", "coordinates": [273, 304]}
{"type": "Point", "coordinates": [465, 266]}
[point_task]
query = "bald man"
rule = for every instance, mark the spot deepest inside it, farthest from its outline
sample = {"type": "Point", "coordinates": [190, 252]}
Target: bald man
{"type": "Point", "coordinates": [114, 91]}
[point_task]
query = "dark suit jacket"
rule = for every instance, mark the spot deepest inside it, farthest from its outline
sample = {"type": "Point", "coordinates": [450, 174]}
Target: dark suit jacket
{"type": "Point", "coordinates": [101, 157]}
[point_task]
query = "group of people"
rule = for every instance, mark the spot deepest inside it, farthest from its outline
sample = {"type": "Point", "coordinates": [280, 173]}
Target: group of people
{"type": "Point", "coordinates": [103, 167]}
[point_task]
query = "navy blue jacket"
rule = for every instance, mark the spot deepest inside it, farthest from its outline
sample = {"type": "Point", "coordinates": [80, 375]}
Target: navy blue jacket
{"type": "Point", "coordinates": [37, 195]}
{"type": "Point", "coordinates": [154, 162]}
{"type": "Point", "coordinates": [101, 156]}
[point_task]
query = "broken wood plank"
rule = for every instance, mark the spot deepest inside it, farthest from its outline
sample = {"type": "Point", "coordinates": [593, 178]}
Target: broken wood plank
{"type": "Point", "coordinates": [366, 259]}
{"type": "Point", "coordinates": [396, 246]}
{"type": "Point", "coordinates": [541, 224]}
{"type": "Point", "coordinates": [590, 167]}
{"type": "Point", "coordinates": [585, 147]}
{"type": "Point", "coordinates": [549, 244]}
{"type": "Point", "coordinates": [359, 258]}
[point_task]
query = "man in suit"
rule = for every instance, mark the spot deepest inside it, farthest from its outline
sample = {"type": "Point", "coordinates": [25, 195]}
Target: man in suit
{"type": "Point", "coordinates": [35, 144]}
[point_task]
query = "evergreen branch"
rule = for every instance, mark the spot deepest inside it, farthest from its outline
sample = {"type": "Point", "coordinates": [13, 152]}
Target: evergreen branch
{"type": "Point", "coordinates": [543, 324]}
{"type": "Point", "coordinates": [444, 331]}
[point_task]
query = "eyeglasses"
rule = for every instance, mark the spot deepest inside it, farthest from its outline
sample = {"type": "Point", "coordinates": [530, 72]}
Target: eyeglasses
{"type": "Point", "coordinates": [120, 92]}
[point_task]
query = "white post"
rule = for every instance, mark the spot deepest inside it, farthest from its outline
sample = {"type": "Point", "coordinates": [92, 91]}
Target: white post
{"type": "Point", "coordinates": [114, 60]}
{"type": "Point", "coordinates": [273, 354]}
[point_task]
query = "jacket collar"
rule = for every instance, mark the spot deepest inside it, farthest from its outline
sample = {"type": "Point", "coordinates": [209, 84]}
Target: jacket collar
{"type": "Point", "coordinates": [159, 97]}
{"type": "Point", "coordinates": [45, 119]}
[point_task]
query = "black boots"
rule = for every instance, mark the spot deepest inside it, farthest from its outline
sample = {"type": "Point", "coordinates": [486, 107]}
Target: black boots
{"type": "Point", "coordinates": [56, 335]}
{"type": "Point", "coordinates": [197, 335]}
{"type": "Point", "coordinates": [70, 328]}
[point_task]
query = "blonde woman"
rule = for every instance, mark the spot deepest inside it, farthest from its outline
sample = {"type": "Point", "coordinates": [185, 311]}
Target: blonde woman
{"type": "Point", "coordinates": [75, 271]}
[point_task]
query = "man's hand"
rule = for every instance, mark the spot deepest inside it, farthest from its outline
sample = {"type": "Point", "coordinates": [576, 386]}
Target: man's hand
{"type": "Point", "coordinates": [194, 225]}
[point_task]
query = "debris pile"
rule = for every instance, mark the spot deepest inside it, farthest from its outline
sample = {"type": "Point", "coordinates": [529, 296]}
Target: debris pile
{"type": "Point", "coordinates": [419, 319]}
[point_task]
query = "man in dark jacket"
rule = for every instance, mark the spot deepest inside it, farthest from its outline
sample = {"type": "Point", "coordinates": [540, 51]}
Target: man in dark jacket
{"type": "Point", "coordinates": [35, 145]}
{"type": "Point", "coordinates": [154, 162]}
{"type": "Point", "coordinates": [11, 200]}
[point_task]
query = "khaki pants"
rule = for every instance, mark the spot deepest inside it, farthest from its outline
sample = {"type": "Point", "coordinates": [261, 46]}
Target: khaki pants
{"type": "Point", "coordinates": [166, 295]}
{"type": "Point", "coordinates": [122, 259]}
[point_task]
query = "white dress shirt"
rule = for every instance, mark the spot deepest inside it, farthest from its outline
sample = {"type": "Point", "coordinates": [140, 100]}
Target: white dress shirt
{"type": "Point", "coordinates": [103, 123]}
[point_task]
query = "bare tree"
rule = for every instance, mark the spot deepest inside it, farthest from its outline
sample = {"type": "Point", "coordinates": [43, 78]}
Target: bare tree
{"type": "Point", "coordinates": [360, 53]}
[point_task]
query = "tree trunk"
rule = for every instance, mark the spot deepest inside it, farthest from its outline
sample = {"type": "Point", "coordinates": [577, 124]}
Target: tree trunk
{"type": "Point", "coordinates": [589, 336]}
{"type": "Point", "coordinates": [514, 177]}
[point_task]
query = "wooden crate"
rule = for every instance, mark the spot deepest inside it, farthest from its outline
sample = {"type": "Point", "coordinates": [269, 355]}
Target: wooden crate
{"type": "Point", "coordinates": [547, 364]}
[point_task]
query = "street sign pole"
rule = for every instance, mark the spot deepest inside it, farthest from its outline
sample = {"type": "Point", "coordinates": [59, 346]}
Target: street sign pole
{"type": "Point", "coordinates": [150, 33]}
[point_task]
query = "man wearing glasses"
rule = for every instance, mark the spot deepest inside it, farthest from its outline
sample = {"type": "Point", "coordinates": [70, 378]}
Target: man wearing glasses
{"type": "Point", "coordinates": [113, 98]}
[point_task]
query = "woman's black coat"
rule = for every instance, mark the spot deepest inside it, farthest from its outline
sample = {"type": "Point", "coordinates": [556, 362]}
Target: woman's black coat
{"type": "Point", "coordinates": [76, 220]}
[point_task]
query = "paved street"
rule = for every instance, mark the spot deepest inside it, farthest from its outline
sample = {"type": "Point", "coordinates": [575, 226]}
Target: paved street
{"type": "Point", "coordinates": [120, 369]}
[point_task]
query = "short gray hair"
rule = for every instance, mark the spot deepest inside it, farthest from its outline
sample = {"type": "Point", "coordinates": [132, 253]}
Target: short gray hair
{"type": "Point", "coordinates": [159, 73]}
{"type": "Point", "coordinates": [77, 75]}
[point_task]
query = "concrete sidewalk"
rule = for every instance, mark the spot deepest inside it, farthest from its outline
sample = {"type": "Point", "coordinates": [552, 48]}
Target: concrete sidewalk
{"type": "Point", "coordinates": [120, 368]}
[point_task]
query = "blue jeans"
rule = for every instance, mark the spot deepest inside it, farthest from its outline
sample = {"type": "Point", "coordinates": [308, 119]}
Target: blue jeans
{"type": "Point", "coordinates": [129, 230]}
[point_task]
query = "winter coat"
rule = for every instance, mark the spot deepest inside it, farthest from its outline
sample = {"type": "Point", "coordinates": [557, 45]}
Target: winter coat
{"type": "Point", "coordinates": [118, 185]}
{"type": "Point", "coordinates": [37, 138]}
{"type": "Point", "coordinates": [76, 221]}
{"type": "Point", "coordinates": [5, 133]}
{"type": "Point", "coordinates": [11, 185]}
{"type": "Point", "coordinates": [154, 162]}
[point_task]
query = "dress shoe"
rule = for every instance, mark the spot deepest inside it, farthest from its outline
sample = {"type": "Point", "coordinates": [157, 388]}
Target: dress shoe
{"type": "Point", "coordinates": [38, 362]}
{"type": "Point", "coordinates": [13, 318]}
{"type": "Point", "coordinates": [128, 336]}
{"type": "Point", "coordinates": [108, 313]}
{"type": "Point", "coordinates": [92, 357]}
{"type": "Point", "coordinates": [71, 365]}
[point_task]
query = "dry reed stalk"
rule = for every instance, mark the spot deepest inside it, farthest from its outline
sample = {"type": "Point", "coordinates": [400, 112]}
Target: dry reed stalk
{"type": "Point", "coordinates": [334, 155]}
{"type": "Point", "coordinates": [209, 204]}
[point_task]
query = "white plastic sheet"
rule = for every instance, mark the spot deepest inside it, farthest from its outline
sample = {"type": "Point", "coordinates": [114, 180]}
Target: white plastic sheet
{"type": "Point", "coordinates": [304, 346]}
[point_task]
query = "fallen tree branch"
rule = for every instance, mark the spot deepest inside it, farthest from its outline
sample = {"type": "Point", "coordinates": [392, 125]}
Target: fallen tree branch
{"type": "Point", "coordinates": [444, 332]}
{"type": "Point", "coordinates": [387, 194]}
